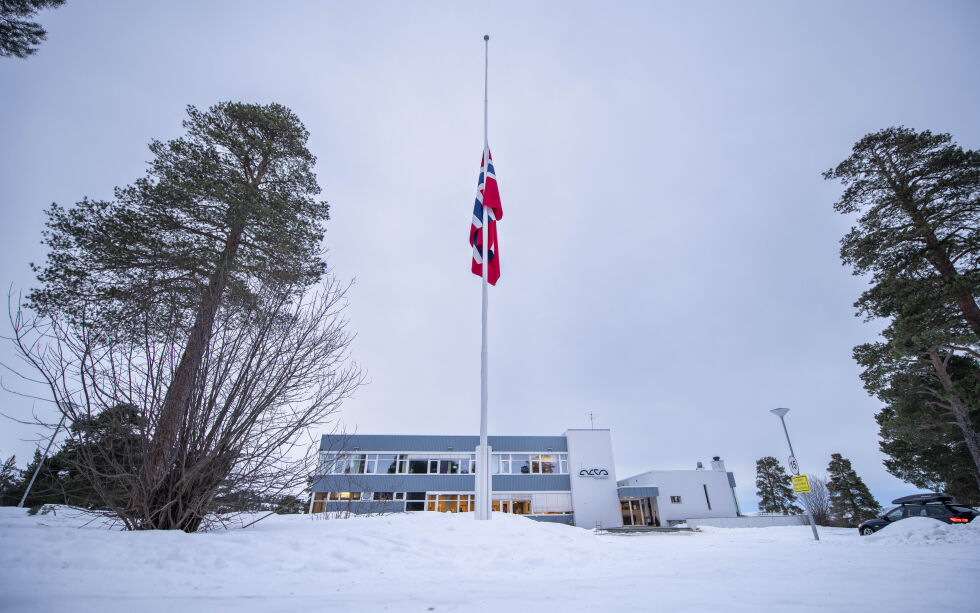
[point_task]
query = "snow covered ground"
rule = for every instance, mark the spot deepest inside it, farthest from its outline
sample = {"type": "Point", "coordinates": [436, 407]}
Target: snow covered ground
{"type": "Point", "coordinates": [437, 562]}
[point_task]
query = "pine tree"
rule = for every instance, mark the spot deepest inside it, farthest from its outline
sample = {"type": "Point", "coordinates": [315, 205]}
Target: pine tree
{"type": "Point", "coordinates": [47, 487]}
{"type": "Point", "coordinates": [775, 487]}
{"type": "Point", "coordinates": [9, 481]}
{"type": "Point", "coordinates": [918, 238]}
{"type": "Point", "coordinates": [850, 501]}
{"type": "Point", "coordinates": [922, 446]}
{"type": "Point", "coordinates": [224, 224]}
{"type": "Point", "coordinates": [18, 36]}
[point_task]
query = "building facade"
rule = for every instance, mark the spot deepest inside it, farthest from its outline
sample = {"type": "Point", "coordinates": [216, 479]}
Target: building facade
{"type": "Point", "coordinates": [689, 494]}
{"type": "Point", "coordinates": [568, 479]}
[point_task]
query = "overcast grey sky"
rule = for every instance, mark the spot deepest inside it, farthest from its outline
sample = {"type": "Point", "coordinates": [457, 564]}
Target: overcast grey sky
{"type": "Point", "coordinates": [669, 249]}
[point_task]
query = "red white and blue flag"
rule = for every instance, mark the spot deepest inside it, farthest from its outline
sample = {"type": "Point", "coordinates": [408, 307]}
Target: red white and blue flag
{"type": "Point", "coordinates": [486, 196]}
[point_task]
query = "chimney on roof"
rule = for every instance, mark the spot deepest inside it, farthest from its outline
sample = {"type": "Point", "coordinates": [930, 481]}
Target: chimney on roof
{"type": "Point", "coordinates": [700, 466]}
{"type": "Point", "coordinates": [717, 463]}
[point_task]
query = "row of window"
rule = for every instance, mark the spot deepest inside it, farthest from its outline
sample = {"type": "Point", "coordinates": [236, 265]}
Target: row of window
{"type": "Point", "coordinates": [550, 503]}
{"type": "Point", "coordinates": [443, 464]}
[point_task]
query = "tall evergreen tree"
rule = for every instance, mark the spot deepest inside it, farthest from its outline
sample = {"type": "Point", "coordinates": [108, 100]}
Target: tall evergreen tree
{"type": "Point", "coordinates": [918, 237]}
{"type": "Point", "coordinates": [775, 488]}
{"type": "Point", "coordinates": [850, 501]}
{"type": "Point", "coordinates": [918, 195]}
{"type": "Point", "coordinates": [922, 446]}
{"type": "Point", "coordinates": [9, 481]}
{"type": "Point", "coordinates": [47, 487]}
{"type": "Point", "coordinates": [20, 37]}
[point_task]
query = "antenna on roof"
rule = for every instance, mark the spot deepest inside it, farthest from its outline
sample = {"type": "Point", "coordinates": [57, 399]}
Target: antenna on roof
{"type": "Point", "coordinates": [591, 420]}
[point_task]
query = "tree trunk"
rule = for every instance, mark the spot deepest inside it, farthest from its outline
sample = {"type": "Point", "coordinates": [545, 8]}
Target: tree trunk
{"type": "Point", "coordinates": [175, 403]}
{"type": "Point", "coordinates": [939, 259]}
{"type": "Point", "coordinates": [958, 410]}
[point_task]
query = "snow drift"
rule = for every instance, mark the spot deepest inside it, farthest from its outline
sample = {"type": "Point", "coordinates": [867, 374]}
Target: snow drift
{"type": "Point", "coordinates": [441, 562]}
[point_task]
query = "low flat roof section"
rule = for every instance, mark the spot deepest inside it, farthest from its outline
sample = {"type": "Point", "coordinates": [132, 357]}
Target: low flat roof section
{"type": "Point", "coordinates": [637, 492]}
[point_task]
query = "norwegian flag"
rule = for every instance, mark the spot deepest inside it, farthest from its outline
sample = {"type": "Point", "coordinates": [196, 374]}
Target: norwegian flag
{"type": "Point", "coordinates": [486, 195]}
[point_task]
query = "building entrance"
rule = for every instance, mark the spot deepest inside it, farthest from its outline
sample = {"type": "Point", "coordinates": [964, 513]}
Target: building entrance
{"type": "Point", "coordinates": [515, 506]}
{"type": "Point", "coordinates": [639, 512]}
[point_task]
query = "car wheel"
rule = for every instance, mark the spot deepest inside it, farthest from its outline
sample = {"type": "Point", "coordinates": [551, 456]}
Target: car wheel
{"type": "Point", "coordinates": [867, 531]}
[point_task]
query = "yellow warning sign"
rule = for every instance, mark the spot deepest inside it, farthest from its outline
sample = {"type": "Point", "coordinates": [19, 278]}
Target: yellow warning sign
{"type": "Point", "coordinates": [801, 485]}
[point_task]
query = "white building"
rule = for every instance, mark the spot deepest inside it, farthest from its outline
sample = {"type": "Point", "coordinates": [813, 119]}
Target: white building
{"type": "Point", "coordinates": [688, 494]}
{"type": "Point", "coordinates": [569, 479]}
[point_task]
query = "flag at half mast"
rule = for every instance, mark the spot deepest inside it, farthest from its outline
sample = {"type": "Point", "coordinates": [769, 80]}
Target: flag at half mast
{"type": "Point", "coordinates": [488, 196]}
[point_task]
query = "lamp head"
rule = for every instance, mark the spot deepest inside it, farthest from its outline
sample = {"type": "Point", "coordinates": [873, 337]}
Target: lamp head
{"type": "Point", "coordinates": [779, 412]}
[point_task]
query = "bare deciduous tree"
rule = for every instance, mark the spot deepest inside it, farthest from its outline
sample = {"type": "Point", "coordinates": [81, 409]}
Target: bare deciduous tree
{"type": "Point", "coordinates": [271, 371]}
{"type": "Point", "coordinates": [818, 501]}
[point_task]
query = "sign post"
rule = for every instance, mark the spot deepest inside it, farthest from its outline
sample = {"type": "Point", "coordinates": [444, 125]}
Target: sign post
{"type": "Point", "coordinates": [781, 413]}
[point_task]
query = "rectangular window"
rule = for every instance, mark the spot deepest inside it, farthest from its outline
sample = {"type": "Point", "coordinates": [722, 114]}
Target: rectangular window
{"type": "Point", "coordinates": [387, 464]}
{"type": "Point", "coordinates": [354, 465]}
{"type": "Point", "coordinates": [448, 503]}
{"type": "Point", "coordinates": [383, 496]}
{"type": "Point", "coordinates": [449, 467]}
{"type": "Point", "coordinates": [543, 464]}
{"type": "Point", "coordinates": [320, 502]}
{"type": "Point", "coordinates": [418, 467]}
{"type": "Point", "coordinates": [415, 501]}
{"type": "Point", "coordinates": [706, 499]}
{"type": "Point", "coordinates": [520, 464]}
{"type": "Point", "coordinates": [399, 495]}
{"type": "Point", "coordinates": [675, 499]}
{"type": "Point", "coordinates": [563, 463]}
{"type": "Point", "coordinates": [402, 464]}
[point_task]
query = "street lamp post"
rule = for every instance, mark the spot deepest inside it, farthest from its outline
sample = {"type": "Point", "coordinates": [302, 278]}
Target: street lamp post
{"type": "Point", "coordinates": [781, 413]}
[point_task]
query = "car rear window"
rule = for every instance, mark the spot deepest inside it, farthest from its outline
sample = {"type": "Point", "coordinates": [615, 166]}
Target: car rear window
{"type": "Point", "coordinates": [959, 509]}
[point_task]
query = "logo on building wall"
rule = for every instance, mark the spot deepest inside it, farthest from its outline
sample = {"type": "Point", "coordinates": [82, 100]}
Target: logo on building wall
{"type": "Point", "coordinates": [595, 473]}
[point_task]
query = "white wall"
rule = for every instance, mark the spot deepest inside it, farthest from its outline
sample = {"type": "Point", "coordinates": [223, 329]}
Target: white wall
{"type": "Point", "coordinates": [593, 499]}
{"type": "Point", "coordinates": [760, 521]}
{"type": "Point", "coordinates": [689, 485]}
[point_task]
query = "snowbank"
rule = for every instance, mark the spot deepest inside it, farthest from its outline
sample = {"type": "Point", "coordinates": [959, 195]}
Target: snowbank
{"type": "Point", "coordinates": [438, 562]}
{"type": "Point", "coordinates": [926, 531]}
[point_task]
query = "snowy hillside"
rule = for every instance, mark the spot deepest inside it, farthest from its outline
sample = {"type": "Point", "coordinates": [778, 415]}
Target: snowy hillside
{"type": "Point", "coordinates": [441, 562]}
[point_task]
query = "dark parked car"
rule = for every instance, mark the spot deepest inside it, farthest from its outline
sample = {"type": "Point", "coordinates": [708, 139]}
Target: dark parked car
{"type": "Point", "coordinates": [936, 506]}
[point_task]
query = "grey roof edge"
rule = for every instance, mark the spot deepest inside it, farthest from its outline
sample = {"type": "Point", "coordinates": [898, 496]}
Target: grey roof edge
{"type": "Point", "coordinates": [440, 443]}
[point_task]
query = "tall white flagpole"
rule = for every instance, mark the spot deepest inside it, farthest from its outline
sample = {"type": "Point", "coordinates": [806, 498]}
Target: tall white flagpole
{"type": "Point", "coordinates": [483, 479]}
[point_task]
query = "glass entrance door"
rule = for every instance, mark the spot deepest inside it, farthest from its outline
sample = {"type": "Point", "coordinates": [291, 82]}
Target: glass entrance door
{"type": "Point", "coordinates": [636, 512]}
